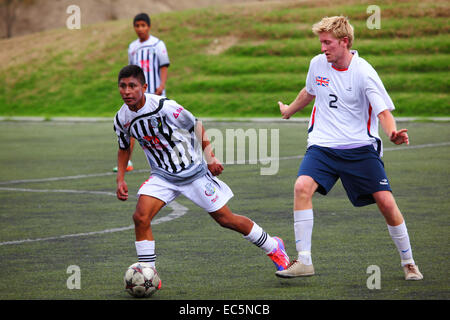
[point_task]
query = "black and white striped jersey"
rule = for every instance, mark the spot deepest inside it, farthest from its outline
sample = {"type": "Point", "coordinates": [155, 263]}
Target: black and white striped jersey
{"type": "Point", "coordinates": [165, 131]}
{"type": "Point", "coordinates": [150, 55]}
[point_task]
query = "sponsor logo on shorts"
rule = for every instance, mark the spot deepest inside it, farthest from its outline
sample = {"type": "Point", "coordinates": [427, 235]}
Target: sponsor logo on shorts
{"type": "Point", "coordinates": [384, 182]}
{"type": "Point", "coordinates": [215, 198]}
{"type": "Point", "coordinates": [209, 189]}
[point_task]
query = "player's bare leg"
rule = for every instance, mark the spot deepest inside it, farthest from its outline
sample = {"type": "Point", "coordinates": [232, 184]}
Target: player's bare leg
{"type": "Point", "coordinates": [399, 233]}
{"type": "Point", "coordinates": [228, 219]}
{"type": "Point", "coordinates": [146, 209]}
{"type": "Point", "coordinates": [130, 164]}
{"type": "Point", "coordinates": [388, 207]}
{"type": "Point", "coordinates": [272, 246]}
{"type": "Point", "coordinates": [304, 189]}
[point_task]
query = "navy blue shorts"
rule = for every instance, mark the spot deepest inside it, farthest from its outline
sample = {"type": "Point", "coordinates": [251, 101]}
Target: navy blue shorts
{"type": "Point", "coordinates": [361, 171]}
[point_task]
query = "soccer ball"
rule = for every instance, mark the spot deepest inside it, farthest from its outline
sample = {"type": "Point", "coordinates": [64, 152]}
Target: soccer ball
{"type": "Point", "coordinates": [141, 280]}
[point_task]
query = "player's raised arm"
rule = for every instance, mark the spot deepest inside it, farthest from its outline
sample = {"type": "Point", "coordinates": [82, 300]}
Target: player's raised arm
{"type": "Point", "coordinates": [300, 102]}
{"type": "Point", "coordinates": [387, 122]}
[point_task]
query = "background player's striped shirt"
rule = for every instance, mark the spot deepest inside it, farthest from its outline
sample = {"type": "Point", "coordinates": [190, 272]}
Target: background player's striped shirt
{"type": "Point", "coordinates": [165, 131]}
{"type": "Point", "coordinates": [150, 55]}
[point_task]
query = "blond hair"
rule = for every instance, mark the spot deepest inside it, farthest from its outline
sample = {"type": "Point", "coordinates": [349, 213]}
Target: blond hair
{"type": "Point", "coordinates": [338, 26]}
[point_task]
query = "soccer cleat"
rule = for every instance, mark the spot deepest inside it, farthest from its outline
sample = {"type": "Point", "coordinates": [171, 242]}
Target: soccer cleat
{"type": "Point", "coordinates": [279, 256]}
{"type": "Point", "coordinates": [296, 269]}
{"type": "Point", "coordinates": [129, 167]}
{"type": "Point", "coordinates": [412, 272]}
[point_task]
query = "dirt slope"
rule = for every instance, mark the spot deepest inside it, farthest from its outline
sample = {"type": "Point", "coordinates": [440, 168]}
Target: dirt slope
{"type": "Point", "coordinates": [38, 15]}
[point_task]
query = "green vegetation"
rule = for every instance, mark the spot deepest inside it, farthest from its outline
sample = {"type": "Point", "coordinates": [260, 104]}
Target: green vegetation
{"type": "Point", "coordinates": [197, 259]}
{"type": "Point", "coordinates": [231, 61]}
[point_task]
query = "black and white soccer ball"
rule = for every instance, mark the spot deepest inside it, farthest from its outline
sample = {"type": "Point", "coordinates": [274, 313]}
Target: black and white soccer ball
{"type": "Point", "coordinates": [141, 280]}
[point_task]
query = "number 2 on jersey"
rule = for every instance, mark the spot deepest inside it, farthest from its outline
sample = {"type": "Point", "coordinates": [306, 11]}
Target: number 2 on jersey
{"type": "Point", "coordinates": [332, 105]}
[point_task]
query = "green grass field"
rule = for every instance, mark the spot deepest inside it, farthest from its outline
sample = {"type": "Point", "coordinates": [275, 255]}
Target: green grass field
{"type": "Point", "coordinates": [196, 258]}
{"type": "Point", "coordinates": [231, 61]}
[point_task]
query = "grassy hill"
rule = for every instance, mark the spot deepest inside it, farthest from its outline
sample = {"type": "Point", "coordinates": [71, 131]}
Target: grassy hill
{"type": "Point", "coordinates": [230, 61]}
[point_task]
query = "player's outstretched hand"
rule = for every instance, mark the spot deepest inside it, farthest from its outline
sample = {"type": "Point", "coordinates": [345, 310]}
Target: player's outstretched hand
{"type": "Point", "coordinates": [215, 167]}
{"type": "Point", "coordinates": [283, 110]}
{"type": "Point", "coordinates": [400, 136]}
{"type": "Point", "coordinates": [122, 191]}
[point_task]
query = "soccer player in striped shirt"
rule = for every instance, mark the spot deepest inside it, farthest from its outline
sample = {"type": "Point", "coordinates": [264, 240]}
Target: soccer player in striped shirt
{"type": "Point", "coordinates": [149, 53]}
{"type": "Point", "coordinates": [343, 141]}
{"type": "Point", "coordinates": [174, 143]}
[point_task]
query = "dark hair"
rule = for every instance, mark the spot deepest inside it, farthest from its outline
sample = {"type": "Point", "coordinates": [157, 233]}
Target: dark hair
{"type": "Point", "coordinates": [132, 71]}
{"type": "Point", "coordinates": [142, 17]}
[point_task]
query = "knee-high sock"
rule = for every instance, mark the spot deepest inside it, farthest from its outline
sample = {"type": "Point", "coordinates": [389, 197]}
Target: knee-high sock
{"type": "Point", "coordinates": [261, 239]}
{"type": "Point", "coordinates": [145, 250]}
{"type": "Point", "coordinates": [399, 235]}
{"type": "Point", "coordinates": [303, 226]}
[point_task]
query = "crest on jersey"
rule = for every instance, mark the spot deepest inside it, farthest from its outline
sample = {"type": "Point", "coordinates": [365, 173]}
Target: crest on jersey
{"type": "Point", "coordinates": [322, 81]}
{"type": "Point", "coordinates": [154, 122]}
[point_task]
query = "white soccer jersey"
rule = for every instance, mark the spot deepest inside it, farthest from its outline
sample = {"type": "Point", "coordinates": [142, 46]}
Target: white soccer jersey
{"type": "Point", "coordinates": [166, 133]}
{"type": "Point", "coordinates": [346, 105]}
{"type": "Point", "coordinates": [150, 55]}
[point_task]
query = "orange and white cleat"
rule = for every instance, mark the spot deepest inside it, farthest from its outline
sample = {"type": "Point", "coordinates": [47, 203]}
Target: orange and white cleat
{"type": "Point", "coordinates": [129, 167]}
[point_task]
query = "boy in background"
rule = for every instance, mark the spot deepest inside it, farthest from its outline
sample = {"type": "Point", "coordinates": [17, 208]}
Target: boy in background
{"type": "Point", "coordinates": [150, 54]}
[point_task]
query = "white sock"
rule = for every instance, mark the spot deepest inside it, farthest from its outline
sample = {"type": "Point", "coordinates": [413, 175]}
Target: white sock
{"type": "Point", "coordinates": [145, 250]}
{"type": "Point", "coordinates": [399, 235]}
{"type": "Point", "coordinates": [303, 226]}
{"type": "Point", "coordinates": [261, 239]}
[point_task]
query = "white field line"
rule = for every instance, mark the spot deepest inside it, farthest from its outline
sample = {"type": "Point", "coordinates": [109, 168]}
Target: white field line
{"type": "Point", "coordinates": [57, 191]}
{"type": "Point", "coordinates": [93, 175]}
{"type": "Point", "coordinates": [178, 211]}
{"type": "Point", "coordinates": [80, 176]}
{"type": "Point", "coordinates": [399, 148]}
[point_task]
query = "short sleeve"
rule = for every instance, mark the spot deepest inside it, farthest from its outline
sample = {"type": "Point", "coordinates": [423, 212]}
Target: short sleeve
{"type": "Point", "coordinates": [130, 59]}
{"type": "Point", "coordinates": [376, 93]}
{"type": "Point", "coordinates": [123, 137]}
{"type": "Point", "coordinates": [130, 54]}
{"type": "Point", "coordinates": [163, 56]}
{"type": "Point", "coordinates": [310, 83]}
{"type": "Point", "coordinates": [182, 117]}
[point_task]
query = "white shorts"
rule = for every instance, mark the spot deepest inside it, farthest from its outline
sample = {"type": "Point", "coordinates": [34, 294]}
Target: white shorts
{"type": "Point", "coordinates": [208, 192]}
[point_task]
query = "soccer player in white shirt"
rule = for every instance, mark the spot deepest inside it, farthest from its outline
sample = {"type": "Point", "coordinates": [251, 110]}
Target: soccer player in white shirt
{"type": "Point", "coordinates": [171, 138]}
{"type": "Point", "coordinates": [349, 102]}
{"type": "Point", "coordinates": [149, 53]}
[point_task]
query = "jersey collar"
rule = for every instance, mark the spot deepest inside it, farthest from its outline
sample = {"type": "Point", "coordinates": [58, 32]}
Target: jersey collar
{"type": "Point", "coordinates": [355, 55]}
